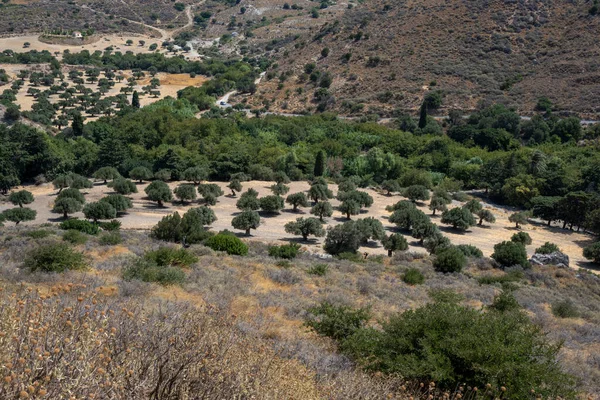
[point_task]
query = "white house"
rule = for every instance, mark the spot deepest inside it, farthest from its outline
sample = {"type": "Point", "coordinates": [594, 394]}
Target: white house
{"type": "Point", "coordinates": [77, 35]}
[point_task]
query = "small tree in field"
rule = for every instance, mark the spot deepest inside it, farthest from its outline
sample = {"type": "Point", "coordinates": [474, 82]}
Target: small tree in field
{"type": "Point", "coordinates": [246, 221]}
{"type": "Point", "coordinates": [279, 189]}
{"type": "Point", "coordinates": [195, 174]}
{"type": "Point", "coordinates": [66, 206]}
{"type": "Point", "coordinates": [394, 242]}
{"type": "Point", "coordinates": [508, 254]}
{"type": "Point", "coordinates": [248, 201]}
{"type": "Point", "coordinates": [474, 206]}
{"type": "Point", "coordinates": [119, 202]}
{"type": "Point", "coordinates": [320, 192]}
{"type": "Point", "coordinates": [460, 218]}
{"type": "Point", "coordinates": [349, 208]}
{"type": "Point", "coordinates": [271, 204]}
{"type": "Point", "coordinates": [416, 193]}
{"type": "Point", "coordinates": [21, 197]}
{"type": "Point", "coordinates": [322, 209]}
{"type": "Point", "coordinates": [235, 186]}
{"type": "Point", "coordinates": [449, 259]}
{"type": "Point", "coordinates": [522, 238]}
{"type": "Point", "coordinates": [99, 210]}
{"type": "Point", "coordinates": [123, 186]}
{"type": "Point", "coordinates": [305, 227]}
{"type": "Point", "coordinates": [437, 204]}
{"type": "Point", "coordinates": [159, 191]}
{"type": "Point", "coordinates": [390, 186]}
{"type": "Point", "coordinates": [19, 214]}
{"type": "Point", "coordinates": [140, 174]}
{"type": "Point", "coordinates": [297, 200]}
{"type": "Point", "coordinates": [107, 173]}
{"type": "Point", "coordinates": [487, 216]}
{"type": "Point", "coordinates": [519, 218]}
{"type": "Point", "coordinates": [62, 182]}
{"type": "Point", "coordinates": [185, 193]}
{"type": "Point", "coordinates": [210, 192]}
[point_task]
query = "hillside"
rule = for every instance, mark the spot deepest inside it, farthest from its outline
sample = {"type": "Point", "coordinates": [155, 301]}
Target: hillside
{"type": "Point", "coordinates": [385, 55]}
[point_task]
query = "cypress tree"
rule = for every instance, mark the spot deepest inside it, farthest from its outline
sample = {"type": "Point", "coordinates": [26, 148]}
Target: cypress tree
{"type": "Point", "coordinates": [77, 125]}
{"type": "Point", "coordinates": [320, 164]}
{"type": "Point", "coordinates": [423, 116]}
{"type": "Point", "coordinates": [135, 100]}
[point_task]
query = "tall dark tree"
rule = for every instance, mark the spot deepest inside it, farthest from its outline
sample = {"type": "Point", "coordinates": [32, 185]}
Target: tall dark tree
{"type": "Point", "coordinates": [135, 99]}
{"type": "Point", "coordinates": [77, 124]}
{"type": "Point", "coordinates": [423, 116]}
{"type": "Point", "coordinates": [320, 164]}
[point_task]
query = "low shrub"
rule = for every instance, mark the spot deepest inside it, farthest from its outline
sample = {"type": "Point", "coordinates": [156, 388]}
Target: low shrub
{"type": "Point", "coordinates": [148, 271]}
{"type": "Point", "coordinates": [349, 256]}
{"type": "Point", "coordinates": [74, 237]}
{"type": "Point", "coordinates": [54, 257]}
{"type": "Point", "coordinates": [450, 259]}
{"type": "Point", "coordinates": [521, 237]}
{"type": "Point", "coordinates": [565, 309]}
{"type": "Point", "coordinates": [505, 301]}
{"type": "Point", "coordinates": [547, 248]}
{"type": "Point", "coordinates": [110, 226]}
{"type": "Point", "coordinates": [38, 234]}
{"type": "Point", "coordinates": [80, 225]}
{"type": "Point", "coordinates": [470, 251]}
{"type": "Point", "coordinates": [318, 270]}
{"type": "Point", "coordinates": [169, 256]}
{"type": "Point", "coordinates": [110, 239]}
{"type": "Point", "coordinates": [337, 322]}
{"type": "Point", "coordinates": [286, 251]}
{"type": "Point", "coordinates": [229, 243]}
{"type": "Point", "coordinates": [413, 276]}
{"type": "Point", "coordinates": [508, 254]}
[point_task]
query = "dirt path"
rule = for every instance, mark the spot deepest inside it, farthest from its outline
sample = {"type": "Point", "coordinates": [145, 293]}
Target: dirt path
{"type": "Point", "coordinates": [146, 214]}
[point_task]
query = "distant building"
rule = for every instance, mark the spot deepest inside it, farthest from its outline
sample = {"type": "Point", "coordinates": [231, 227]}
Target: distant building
{"type": "Point", "coordinates": [77, 35]}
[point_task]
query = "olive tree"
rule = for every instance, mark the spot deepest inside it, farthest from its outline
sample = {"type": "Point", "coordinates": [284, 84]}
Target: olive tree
{"type": "Point", "coordinates": [210, 192]}
{"type": "Point", "coordinates": [235, 186]}
{"type": "Point", "coordinates": [519, 218]}
{"type": "Point", "coordinates": [344, 238]}
{"type": "Point", "coordinates": [106, 173]}
{"type": "Point", "coordinates": [460, 218]}
{"type": "Point", "coordinates": [140, 174]}
{"type": "Point", "coordinates": [279, 189]}
{"type": "Point", "coordinates": [21, 197]}
{"type": "Point", "coordinates": [271, 204]}
{"type": "Point", "coordinates": [297, 200]}
{"type": "Point", "coordinates": [19, 214]}
{"type": "Point", "coordinates": [123, 186]}
{"type": "Point", "coordinates": [119, 202]}
{"type": "Point", "coordinates": [66, 206]}
{"type": "Point", "coordinates": [185, 193]}
{"type": "Point", "coordinates": [322, 209]}
{"type": "Point", "coordinates": [99, 210]}
{"type": "Point", "coordinates": [159, 191]}
{"type": "Point", "coordinates": [248, 201]}
{"type": "Point", "coordinates": [305, 227]}
{"type": "Point", "coordinates": [416, 192]}
{"type": "Point", "coordinates": [246, 221]}
{"type": "Point", "coordinates": [394, 242]}
{"type": "Point", "coordinates": [487, 216]}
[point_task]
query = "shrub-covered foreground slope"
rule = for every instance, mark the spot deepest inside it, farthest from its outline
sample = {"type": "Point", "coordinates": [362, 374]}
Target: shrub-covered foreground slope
{"type": "Point", "coordinates": [234, 326]}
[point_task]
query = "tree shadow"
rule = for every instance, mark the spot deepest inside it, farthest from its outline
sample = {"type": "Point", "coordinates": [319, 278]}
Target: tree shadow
{"type": "Point", "coordinates": [449, 229]}
{"type": "Point", "coordinates": [292, 211]}
{"type": "Point", "coordinates": [268, 215]}
{"type": "Point", "coordinates": [300, 240]}
{"type": "Point", "coordinates": [341, 219]}
{"type": "Point", "coordinates": [588, 265]}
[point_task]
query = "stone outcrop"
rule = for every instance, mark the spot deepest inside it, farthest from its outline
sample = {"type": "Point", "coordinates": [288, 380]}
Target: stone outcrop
{"type": "Point", "coordinates": [557, 258]}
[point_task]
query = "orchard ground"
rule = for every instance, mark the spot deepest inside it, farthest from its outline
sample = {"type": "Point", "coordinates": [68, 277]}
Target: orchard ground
{"type": "Point", "coordinates": [145, 214]}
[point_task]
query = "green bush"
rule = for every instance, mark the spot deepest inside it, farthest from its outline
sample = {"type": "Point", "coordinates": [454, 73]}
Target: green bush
{"type": "Point", "coordinates": [38, 234]}
{"type": "Point", "coordinates": [457, 345]}
{"type": "Point", "coordinates": [547, 248]}
{"type": "Point", "coordinates": [74, 237]}
{"type": "Point", "coordinates": [337, 322]}
{"type": "Point", "coordinates": [80, 225]}
{"type": "Point", "coordinates": [504, 302]}
{"type": "Point", "coordinates": [508, 254]}
{"type": "Point", "coordinates": [168, 256]}
{"type": "Point", "coordinates": [110, 226]}
{"type": "Point", "coordinates": [450, 259]}
{"type": "Point", "coordinates": [54, 257]}
{"type": "Point", "coordinates": [228, 243]}
{"type": "Point", "coordinates": [318, 269]}
{"type": "Point", "coordinates": [286, 251]}
{"type": "Point", "coordinates": [592, 252]}
{"type": "Point", "coordinates": [413, 276]}
{"type": "Point", "coordinates": [350, 256]}
{"type": "Point", "coordinates": [110, 239]}
{"type": "Point", "coordinates": [565, 309]}
{"type": "Point", "coordinates": [147, 271]}
{"type": "Point", "coordinates": [470, 251]}
{"type": "Point", "coordinates": [521, 237]}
